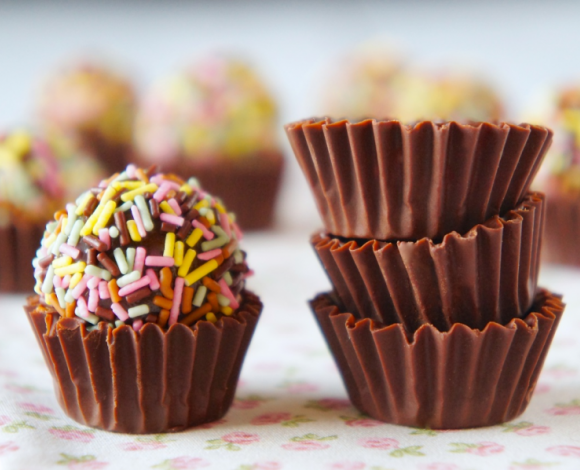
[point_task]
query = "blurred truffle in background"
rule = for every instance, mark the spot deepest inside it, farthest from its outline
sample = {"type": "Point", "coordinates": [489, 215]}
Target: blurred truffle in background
{"type": "Point", "coordinates": [35, 179]}
{"type": "Point", "coordinates": [93, 106]}
{"type": "Point", "coordinates": [560, 180]}
{"type": "Point", "coordinates": [217, 121]}
{"type": "Point", "coordinates": [373, 82]}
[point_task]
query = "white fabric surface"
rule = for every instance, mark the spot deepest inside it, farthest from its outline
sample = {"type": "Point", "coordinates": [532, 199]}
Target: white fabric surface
{"type": "Point", "coordinates": [291, 410]}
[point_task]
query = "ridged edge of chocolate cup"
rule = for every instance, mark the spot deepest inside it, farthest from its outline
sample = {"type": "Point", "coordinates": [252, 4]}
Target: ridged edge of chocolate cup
{"type": "Point", "coordinates": [459, 379]}
{"type": "Point", "coordinates": [18, 245]}
{"type": "Point", "coordinates": [248, 186]}
{"type": "Point", "coordinates": [488, 274]}
{"type": "Point", "coordinates": [384, 180]}
{"type": "Point", "coordinates": [147, 382]}
{"type": "Point", "coordinates": [562, 232]}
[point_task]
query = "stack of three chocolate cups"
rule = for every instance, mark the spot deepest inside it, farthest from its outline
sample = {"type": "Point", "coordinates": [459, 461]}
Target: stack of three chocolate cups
{"type": "Point", "coordinates": [432, 244]}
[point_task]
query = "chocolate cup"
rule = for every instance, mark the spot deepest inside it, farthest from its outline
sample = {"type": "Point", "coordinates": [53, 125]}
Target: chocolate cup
{"type": "Point", "coordinates": [152, 381]}
{"type": "Point", "coordinates": [488, 274]}
{"type": "Point", "coordinates": [459, 379]}
{"type": "Point", "coordinates": [18, 245]}
{"type": "Point", "coordinates": [248, 186]}
{"type": "Point", "coordinates": [388, 181]}
{"type": "Point", "coordinates": [562, 233]}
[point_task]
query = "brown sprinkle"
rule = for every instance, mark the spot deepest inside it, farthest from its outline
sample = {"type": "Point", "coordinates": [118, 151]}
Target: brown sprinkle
{"type": "Point", "coordinates": [109, 264]}
{"type": "Point", "coordinates": [138, 295]}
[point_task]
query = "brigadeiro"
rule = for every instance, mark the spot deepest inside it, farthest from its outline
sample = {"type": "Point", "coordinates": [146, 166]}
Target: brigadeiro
{"type": "Point", "coordinates": [93, 105]}
{"type": "Point", "coordinates": [141, 309]}
{"type": "Point", "coordinates": [218, 121]}
{"type": "Point", "coordinates": [431, 241]}
{"type": "Point", "coordinates": [35, 179]}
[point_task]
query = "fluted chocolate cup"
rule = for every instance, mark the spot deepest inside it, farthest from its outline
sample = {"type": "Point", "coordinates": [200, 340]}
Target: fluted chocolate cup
{"type": "Point", "coordinates": [150, 381]}
{"type": "Point", "coordinates": [458, 379]}
{"type": "Point", "coordinates": [387, 181]}
{"type": "Point", "coordinates": [488, 274]}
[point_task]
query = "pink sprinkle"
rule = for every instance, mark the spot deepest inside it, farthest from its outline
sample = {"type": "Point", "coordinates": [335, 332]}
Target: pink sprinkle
{"type": "Point", "coordinates": [154, 285]}
{"type": "Point", "coordinates": [163, 189]}
{"type": "Point", "coordinates": [177, 293]}
{"type": "Point", "coordinates": [173, 204]}
{"type": "Point", "coordinates": [139, 259]}
{"type": "Point", "coordinates": [104, 290]}
{"type": "Point", "coordinates": [82, 309]}
{"type": "Point", "coordinates": [137, 324]}
{"type": "Point", "coordinates": [208, 235]}
{"type": "Point", "coordinates": [119, 311]}
{"type": "Point", "coordinates": [66, 281]}
{"type": "Point", "coordinates": [171, 219]}
{"type": "Point", "coordinates": [103, 184]}
{"type": "Point", "coordinates": [43, 252]}
{"type": "Point", "coordinates": [228, 293]}
{"type": "Point", "coordinates": [239, 234]}
{"type": "Point", "coordinates": [93, 283]}
{"type": "Point", "coordinates": [225, 223]}
{"type": "Point", "coordinates": [129, 289]}
{"type": "Point", "coordinates": [210, 254]}
{"type": "Point", "coordinates": [130, 170]}
{"type": "Point", "coordinates": [66, 249]}
{"type": "Point", "coordinates": [81, 286]}
{"type": "Point", "coordinates": [250, 273]}
{"type": "Point", "coordinates": [93, 300]}
{"type": "Point", "coordinates": [56, 281]}
{"type": "Point", "coordinates": [138, 221]}
{"type": "Point", "coordinates": [159, 261]}
{"type": "Point", "coordinates": [105, 237]}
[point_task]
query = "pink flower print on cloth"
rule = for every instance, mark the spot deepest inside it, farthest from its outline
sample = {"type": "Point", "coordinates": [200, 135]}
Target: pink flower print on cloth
{"type": "Point", "coordinates": [308, 442]}
{"type": "Point", "coordinates": [71, 433]}
{"type": "Point", "coordinates": [182, 463]}
{"type": "Point", "coordinates": [565, 409]}
{"type": "Point", "coordinates": [483, 449]}
{"type": "Point", "coordinates": [565, 451]}
{"type": "Point", "coordinates": [233, 441]}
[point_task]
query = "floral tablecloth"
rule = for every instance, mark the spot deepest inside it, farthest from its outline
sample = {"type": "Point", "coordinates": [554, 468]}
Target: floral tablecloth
{"type": "Point", "coordinates": [291, 409]}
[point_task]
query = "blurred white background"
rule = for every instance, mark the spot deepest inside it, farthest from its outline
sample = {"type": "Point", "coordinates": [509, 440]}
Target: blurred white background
{"type": "Point", "coordinates": [523, 47]}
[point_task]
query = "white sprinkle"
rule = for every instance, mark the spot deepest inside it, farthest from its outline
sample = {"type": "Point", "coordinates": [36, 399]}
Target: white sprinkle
{"type": "Point", "coordinates": [193, 182]}
{"type": "Point", "coordinates": [223, 300]}
{"type": "Point", "coordinates": [122, 177]}
{"type": "Point", "coordinates": [60, 239]}
{"type": "Point", "coordinates": [238, 257]}
{"type": "Point", "coordinates": [144, 211]}
{"type": "Point", "coordinates": [51, 226]}
{"type": "Point", "coordinates": [131, 257]}
{"type": "Point", "coordinates": [48, 280]}
{"type": "Point", "coordinates": [90, 318]}
{"type": "Point", "coordinates": [138, 310]}
{"type": "Point", "coordinates": [119, 323]}
{"type": "Point", "coordinates": [228, 278]}
{"type": "Point", "coordinates": [128, 278]}
{"type": "Point", "coordinates": [98, 272]}
{"type": "Point", "coordinates": [113, 231]}
{"type": "Point", "coordinates": [120, 259]}
{"type": "Point", "coordinates": [199, 296]}
{"type": "Point", "coordinates": [72, 218]}
{"type": "Point", "coordinates": [203, 211]}
{"type": "Point", "coordinates": [75, 233]}
{"type": "Point", "coordinates": [124, 207]}
{"type": "Point", "coordinates": [60, 295]}
{"type": "Point", "coordinates": [69, 297]}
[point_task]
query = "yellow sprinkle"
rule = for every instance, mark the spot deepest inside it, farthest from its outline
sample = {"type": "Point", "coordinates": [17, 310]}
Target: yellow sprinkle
{"type": "Point", "coordinates": [133, 231]}
{"type": "Point", "coordinates": [106, 214]}
{"type": "Point", "coordinates": [49, 240]}
{"type": "Point", "coordinates": [211, 317]}
{"type": "Point", "coordinates": [186, 189]}
{"type": "Point", "coordinates": [200, 272]}
{"type": "Point", "coordinates": [194, 237]}
{"type": "Point", "coordinates": [84, 201]}
{"type": "Point", "coordinates": [227, 310]}
{"type": "Point", "coordinates": [130, 195]}
{"type": "Point", "coordinates": [187, 261]}
{"type": "Point", "coordinates": [169, 244]}
{"type": "Point", "coordinates": [47, 299]}
{"type": "Point", "coordinates": [77, 267]}
{"type": "Point", "coordinates": [130, 185]}
{"type": "Point", "coordinates": [92, 220]}
{"type": "Point", "coordinates": [201, 204]}
{"type": "Point", "coordinates": [178, 253]}
{"type": "Point", "coordinates": [75, 280]}
{"type": "Point", "coordinates": [210, 216]}
{"type": "Point", "coordinates": [62, 262]}
{"type": "Point", "coordinates": [165, 207]}
{"type": "Point", "coordinates": [19, 142]}
{"type": "Point", "coordinates": [38, 288]}
{"type": "Point", "coordinates": [220, 208]}
{"type": "Point", "coordinates": [108, 194]}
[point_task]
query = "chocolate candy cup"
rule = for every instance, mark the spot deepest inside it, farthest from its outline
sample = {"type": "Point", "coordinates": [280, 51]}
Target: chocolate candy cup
{"type": "Point", "coordinates": [388, 181]}
{"type": "Point", "coordinates": [441, 380]}
{"type": "Point", "coordinates": [18, 245]}
{"type": "Point", "coordinates": [147, 382]}
{"type": "Point", "coordinates": [562, 234]}
{"type": "Point", "coordinates": [488, 274]}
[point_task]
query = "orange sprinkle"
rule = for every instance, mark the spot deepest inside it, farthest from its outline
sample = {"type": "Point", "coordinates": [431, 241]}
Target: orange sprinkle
{"type": "Point", "coordinates": [59, 214]}
{"type": "Point", "coordinates": [54, 303]}
{"type": "Point", "coordinates": [114, 291]}
{"type": "Point", "coordinates": [162, 302]}
{"type": "Point", "coordinates": [219, 259]}
{"type": "Point", "coordinates": [211, 285]}
{"type": "Point", "coordinates": [163, 318]}
{"type": "Point", "coordinates": [212, 299]}
{"type": "Point", "coordinates": [196, 314]}
{"type": "Point", "coordinates": [171, 194]}
{"type": "Point", "coordinates": [173, 177]}
{"type": "Point", "coordinates": [204, 221]}
{"type": "Point", "coordinates": [229, 249]}
{"type": "Point", "coordinates": [187, 299]}
{"type": "Point", "coordinates": [100, 195]}
{"type": "Point", "coordinates": [110, 179]}
{"type": "Point", "coordinates": [139, 173]}
{"type": "Point", "coordinates": [70, 309]}
{"type": "Point", "coordinates": [165, 280]}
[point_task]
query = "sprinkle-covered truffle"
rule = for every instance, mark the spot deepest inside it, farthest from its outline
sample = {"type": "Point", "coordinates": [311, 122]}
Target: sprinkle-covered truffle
{"type": "Point", "coordinates": [217, 108]}
{"type": "Point", "coordinates": [142, 247]}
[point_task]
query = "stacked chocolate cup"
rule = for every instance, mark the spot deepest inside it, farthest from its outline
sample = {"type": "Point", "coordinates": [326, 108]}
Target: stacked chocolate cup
{"type": "Point", "coordinates": [432, 242]}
